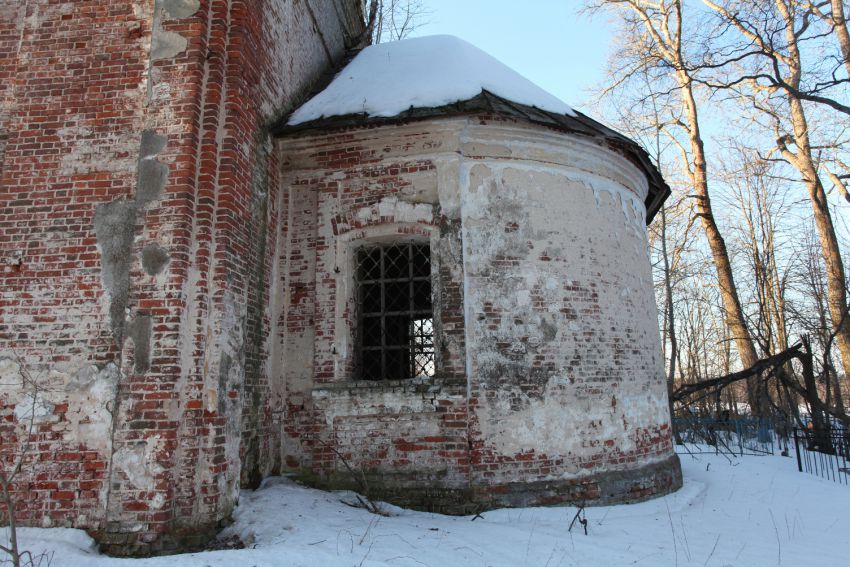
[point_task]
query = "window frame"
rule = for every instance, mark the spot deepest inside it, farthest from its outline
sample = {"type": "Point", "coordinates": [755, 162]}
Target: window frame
{"type": "Point", "coordinates": [412, 348]}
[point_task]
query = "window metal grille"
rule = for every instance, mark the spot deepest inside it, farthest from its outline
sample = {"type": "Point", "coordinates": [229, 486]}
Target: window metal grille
{"type": "Point", "coordinates": [396, 332]}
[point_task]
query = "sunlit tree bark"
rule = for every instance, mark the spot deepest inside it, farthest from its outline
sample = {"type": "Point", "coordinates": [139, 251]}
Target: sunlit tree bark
{"type": "Point", "coordinates": [772, 31]}
{"type": "Point", "coordinates": [658, 26]}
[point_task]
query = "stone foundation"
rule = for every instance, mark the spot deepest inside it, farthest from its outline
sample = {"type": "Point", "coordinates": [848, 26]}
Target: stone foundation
{"type": "Point", "coordinates": [428, 495]}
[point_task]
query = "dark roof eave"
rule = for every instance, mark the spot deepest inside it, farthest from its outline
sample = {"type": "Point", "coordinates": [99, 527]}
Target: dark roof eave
{"type": "Point", "coordinates": [488, 102]}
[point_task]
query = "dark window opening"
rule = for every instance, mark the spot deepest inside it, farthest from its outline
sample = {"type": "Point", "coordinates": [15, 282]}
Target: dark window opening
{"type": "Point", "coordinates": [396, 332]}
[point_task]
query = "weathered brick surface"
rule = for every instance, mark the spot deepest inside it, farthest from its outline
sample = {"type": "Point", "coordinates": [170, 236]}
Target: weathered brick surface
{"type": "Point", "coordinates": [180, 285]}
{"type": "Point", "coordinates": [137, 229]}
{"type": "Point", "coordinates": [549, 384]}
{"type": "Point", "coordinates": [72, 123]}
{"type": "Point", "coordinates": [341, 191]}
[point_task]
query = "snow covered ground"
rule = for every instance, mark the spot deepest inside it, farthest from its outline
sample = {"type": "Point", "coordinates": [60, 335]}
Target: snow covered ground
{"type": "Point", "coordinates": [750, 511]}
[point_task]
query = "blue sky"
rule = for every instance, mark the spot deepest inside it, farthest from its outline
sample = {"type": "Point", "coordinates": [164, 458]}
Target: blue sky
{"type": "Point", "coordinates": [549, 43]}
{"type": "Point", "coordinates": [544, 40]}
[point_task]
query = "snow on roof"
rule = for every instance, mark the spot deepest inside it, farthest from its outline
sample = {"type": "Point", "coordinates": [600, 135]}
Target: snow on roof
{"type": "Point", "coordinates": [387, 79]}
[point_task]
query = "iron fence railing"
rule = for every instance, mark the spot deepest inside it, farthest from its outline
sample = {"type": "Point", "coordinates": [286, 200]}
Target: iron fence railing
{"type": "Point", "coordinates": [738, 436]}
{"type": "Point", "coordinates": [821, 453]}
{"type": "Point", "coordinates": [824, 454]}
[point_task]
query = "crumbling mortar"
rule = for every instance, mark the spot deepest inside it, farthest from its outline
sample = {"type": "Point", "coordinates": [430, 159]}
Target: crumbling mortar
{"type": "Point", "coordinates": [252, 415]}
{"type": "Point", "coordinates": [151, 180]}
{"type": "Point", "coordinates": [164, 44]}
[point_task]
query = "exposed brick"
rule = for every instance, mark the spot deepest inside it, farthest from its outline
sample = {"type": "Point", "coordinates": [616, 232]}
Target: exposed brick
{"type": "Point", "coordinates": [520, 308]}
{"type": "Point", "coordinates": [171, 151]}
{"type": "Point", "coordinates": [165, 261]}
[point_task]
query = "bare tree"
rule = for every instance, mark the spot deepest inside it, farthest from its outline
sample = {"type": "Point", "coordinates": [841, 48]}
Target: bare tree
{"type": "Point", "coordinates": [392, 20]}
{"type": "Point", "coordinates": [760, 201]}
{"type": "Point", "coordinates": [397, 19]}
{"type": "Point", "coordinates": [655, 34]}
{"type": "Point", "coordinates": [810, 312]}
{"type": "Point", "coordinates": [766, 67]}
{"type": "Point", "coordinates": [766, 370]}
{"type": "Point", "coordinates": [15, 458]}
{"type": "Point", "coordinates": [834, 14]}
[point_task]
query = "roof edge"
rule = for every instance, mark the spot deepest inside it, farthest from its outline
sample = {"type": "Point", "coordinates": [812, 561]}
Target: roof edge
{"type": "Point", "coordinates": [580, 124]}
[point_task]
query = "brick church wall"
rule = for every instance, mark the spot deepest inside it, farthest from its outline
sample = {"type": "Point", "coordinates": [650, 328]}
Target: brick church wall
{"type": "Point", "coordinates": [341, 191]}
{"type": "Point", "coordinates": [549, 384]}
{"type": "Point", "coordinates": [137, 230]}
{"type": "Point", "coordinates": [178, 284]}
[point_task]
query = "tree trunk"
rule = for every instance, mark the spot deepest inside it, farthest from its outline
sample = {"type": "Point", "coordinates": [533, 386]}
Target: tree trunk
{"type": "Point", "coordinates": [820, 422]}
{"type": "Point", "coordinates": [839, 395]}
{"type": "Point", "coordinates": [839, 20]}
{"type": "Point", "coordinates": [836, 284]}
{"type": "Point", "coordinates": [733, 313]}
{"type": "Point", "coordinates": [670, 316]}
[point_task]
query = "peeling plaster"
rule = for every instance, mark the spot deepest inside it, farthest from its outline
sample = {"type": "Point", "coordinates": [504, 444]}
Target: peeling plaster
{"type": "Point", "coordinates": [114, 225]}
{"type": "Point", "coordinates": [341, 404]}
{"type": "Point", "coordinates": [139, 463]}
{"type": "Point", "coordinates": [559, 420]}
{"type": "Point", "coordinates": [95, 388]}
{"type": "Point", "coordinates": [400, 211]}
{"type": "Point", "coordinates": [167, 44]}
{"type": "Point", "coordinates": [231, 375]}
{"type": "Point", "coordinates": [88, 150]}
{"type": "Point", "coordinates": [231, 364]}
{"type": "Point", "coordinates": [154, 259]}
{"type": "Point", "coordinates": [179, 9]}
{"type": "Point", "coordinates": [33, 406]}
{"type": "Point", "coordinates": [139, 331]}
{"type": "Point", "coordinates": [152, 174]}
{"type": "Point", "coordinates": [540, 240]}
{"type": "Point", "coordinates": [10, 374]}
{"type": "Point", "coordinates": [550, 277]}
{"type": "Point", "coordinates": [90, 393]}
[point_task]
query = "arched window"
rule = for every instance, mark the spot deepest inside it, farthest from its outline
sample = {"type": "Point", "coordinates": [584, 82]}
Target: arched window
{"type": "Point", "coordinates": [396, 316]}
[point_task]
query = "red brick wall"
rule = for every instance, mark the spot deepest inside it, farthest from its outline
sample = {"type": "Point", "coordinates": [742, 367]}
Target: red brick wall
{"type": "Point", "coordinates": [334, 200]}
{"type": "Point", "coordinates": [73, 124]}
{"type": "Point", "coordinates": [136, 229]}
{"type": "Point", "coordinates": [572, 370]}
{"type": "Point", "coordinates": [170, 279]}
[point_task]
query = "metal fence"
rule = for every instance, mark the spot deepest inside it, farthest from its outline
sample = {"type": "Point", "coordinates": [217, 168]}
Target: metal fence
{"type": "Point", "coordinates": [824, 454]}
{"type": "Point", "coordinates": [738, 436]}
